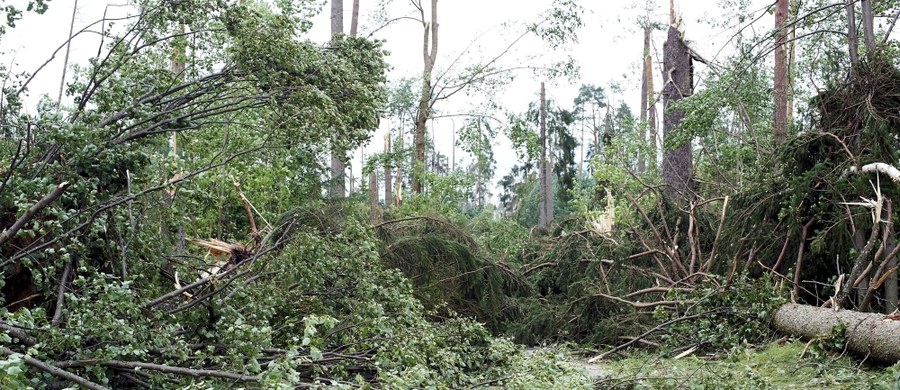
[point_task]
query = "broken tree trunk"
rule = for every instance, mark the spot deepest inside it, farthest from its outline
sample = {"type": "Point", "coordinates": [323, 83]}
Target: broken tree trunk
{"type": "Point", "coordinates": [867, 334]}
{"type": "Point", "coordinates": [678, 166]}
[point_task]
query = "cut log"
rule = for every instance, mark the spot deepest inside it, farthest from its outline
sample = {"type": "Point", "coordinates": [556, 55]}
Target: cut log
{"type": "Point", "coordinates": [870, 335]}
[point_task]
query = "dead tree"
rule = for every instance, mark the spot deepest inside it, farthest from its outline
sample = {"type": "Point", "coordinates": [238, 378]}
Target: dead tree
{"type": "Point", "coordinates": [678, 166]}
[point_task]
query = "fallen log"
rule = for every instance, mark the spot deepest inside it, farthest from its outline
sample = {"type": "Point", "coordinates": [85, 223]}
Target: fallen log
{"type": "Point", "coordinates": [871, 335]}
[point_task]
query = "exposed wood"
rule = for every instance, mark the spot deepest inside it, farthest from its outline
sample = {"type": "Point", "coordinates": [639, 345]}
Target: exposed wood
{"type": "Point", "coordinates": [871, 335]}
{"type": "Point", "coordinates": [883, 168]}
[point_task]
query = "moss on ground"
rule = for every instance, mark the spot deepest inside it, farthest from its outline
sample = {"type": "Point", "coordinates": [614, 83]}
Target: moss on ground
{"type": "Point", "coordinates": [777, 366]}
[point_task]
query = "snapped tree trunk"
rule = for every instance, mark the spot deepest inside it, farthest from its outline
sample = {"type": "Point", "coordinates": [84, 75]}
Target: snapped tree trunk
{"type": "Point", "coordinates": [781, 71]}
{"type": "Point", "coordinates": [867, 334]}
{"type": "Point", "coordinates": [678, 166]}
{"type": "Point", "coordinates": [429, 53]}
{"type": "Point", "coordinates": [546, 204]}
{"type": "Point", "coordinates": [338, 167]}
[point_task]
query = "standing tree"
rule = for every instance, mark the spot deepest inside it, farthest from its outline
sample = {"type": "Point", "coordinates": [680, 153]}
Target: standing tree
{"type": "Point", "coordinates": [546, 205]}
{"type": "Point", "coordinates": [590, 100]}
{"type": "Point", "coordinates": [781, 71]}
{"type": "Point", "coordinates": [429, 53]}
{"type": "Point", "coordinates": [678, 167]}
{"type": "Point", "coordinates": [338, 167]}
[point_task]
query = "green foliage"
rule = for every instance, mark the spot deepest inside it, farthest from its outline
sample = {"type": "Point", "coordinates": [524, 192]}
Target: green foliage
{"type": "Point", "coordinates": [738, 316]}
{"type": "Point", "coordinates": [772, 366]}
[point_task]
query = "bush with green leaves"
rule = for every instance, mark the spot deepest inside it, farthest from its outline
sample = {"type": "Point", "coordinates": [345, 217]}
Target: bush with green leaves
{"type": "Point", "coordinates": [731, 317]}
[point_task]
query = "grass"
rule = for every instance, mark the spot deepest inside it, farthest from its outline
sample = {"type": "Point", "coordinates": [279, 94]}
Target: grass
{"type": "Point", "coordinates": [776, 366]}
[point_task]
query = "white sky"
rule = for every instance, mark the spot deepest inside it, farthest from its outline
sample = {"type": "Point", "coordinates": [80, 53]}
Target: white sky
{"type": "Point", "coordinates": [609, 49]}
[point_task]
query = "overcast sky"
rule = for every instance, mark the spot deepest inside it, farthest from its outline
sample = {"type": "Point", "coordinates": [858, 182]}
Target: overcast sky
{"type": "Point", "coordinates": [609, 48]}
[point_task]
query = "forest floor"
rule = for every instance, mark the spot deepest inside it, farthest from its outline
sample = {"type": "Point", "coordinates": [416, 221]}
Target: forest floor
{"type": "Point", "coordinates": [776, 366]}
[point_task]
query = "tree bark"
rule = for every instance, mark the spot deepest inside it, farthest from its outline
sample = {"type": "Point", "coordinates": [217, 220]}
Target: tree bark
{"type": "Point", "coordinates": [867, 334]}
{"type": "Point", "coordinates": [678, 166]}
{"type": "Point", "coordinates": [651, 114]}
{"type": "Point", "coordinates": [546, 204]}
{"type": "Point", "coordinates": [388, 174]}
{"type": "Point", "coordinates": [354, 19]}
{"type": "Point", "coordinates": [338, 167]}
{"type": "Point", "coordinates": [858, 266]}
{"type": "Point", "coordinates": [890, 284]}
{"type": "Point", "coordinates": [429, 53]}
{"type": "Point", "coordinates": [374, 210]}
{"type": "Point", "coordinates": [868, 23]}
{"type": "Point", "coordinates": [852, 34]}
{"type": "Point", "coordinates": [645, 91]}
{"type": "Point", "coordinates": [781, 71]}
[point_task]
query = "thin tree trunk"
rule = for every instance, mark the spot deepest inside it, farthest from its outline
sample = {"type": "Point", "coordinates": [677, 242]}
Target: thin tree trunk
{"type": "Point", "coordinates": [651, 114]}
{"type": "Point", "coordinates": [798, 269]}
{"type": "Point", "coordinates": [429, 54]}
{"type": "Point", "coordinates": [374, 210]}
{"type": "Point", "coordinates": [868, 23]}
{"type": "Point", "coordinates": [388, 174]}
{"type": "Point", "coordinates": [857, 269]}
{"type": "Point", "coordinates": [791, 63]}
{"type": "Point", "coordinates": [546, 204]}
{"type": "Point", "coordinates": [645, 91]}
{"type": "Point", "coordinates": [354, 19]}
{"type": "Point", "coordinates": [398, 190]}
{"type": "Point", "coordinates": [338, 167]}
{"type": "Point", "coordinates": [890, 284]}
{"type": "Point", "coordinates": [852, 34]}
{"type": "Point", "coordinates": [781, 71]}
{"type": "Point", "coordinates": [678, 166]}
{"type": "Point", "coordinates": [62, 80]}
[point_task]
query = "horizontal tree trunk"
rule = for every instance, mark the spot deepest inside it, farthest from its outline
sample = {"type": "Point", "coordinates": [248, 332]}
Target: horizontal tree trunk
{"type": "Point", "coordinates": [868, 334]}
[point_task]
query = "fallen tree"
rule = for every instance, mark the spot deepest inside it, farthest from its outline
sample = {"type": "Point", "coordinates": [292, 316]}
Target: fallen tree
{"type": "Point", "coordinates": [872, 335]}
